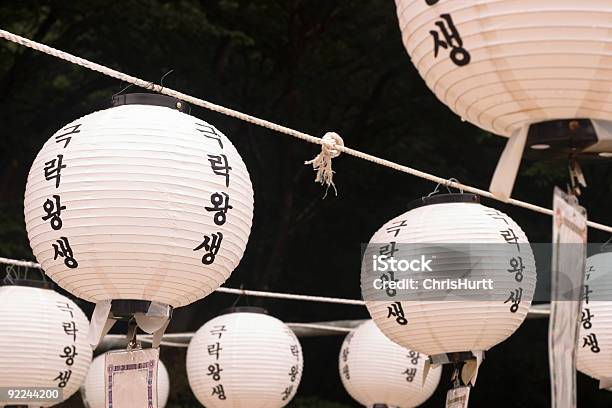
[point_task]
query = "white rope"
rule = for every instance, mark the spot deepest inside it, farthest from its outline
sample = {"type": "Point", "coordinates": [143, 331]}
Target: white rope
{"type": "Point", "coordinates": [337, 329]}
{"type": "Point", "coordinates": [16, 262]}
{"type": "Point", "coordinates": [244, 292]}
{"type": "Point", "coordinates": [291, 296]}
{"type": "Point", "coordinates": [270, 125]}
{"type": "Point", "coordinates": [541, 310]}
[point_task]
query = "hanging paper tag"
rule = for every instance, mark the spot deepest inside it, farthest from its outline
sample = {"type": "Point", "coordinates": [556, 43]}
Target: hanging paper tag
{"type": "Point", "coordinates": [458, 397]}
{"type": "Point", "coordinates": [130, 379]}
{"type": "Point", "coordinates": [567, 280]}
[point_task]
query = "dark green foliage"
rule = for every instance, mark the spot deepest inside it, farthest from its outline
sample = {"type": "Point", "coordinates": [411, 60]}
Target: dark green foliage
{"type": "Point", "coordinates": [313, 65]}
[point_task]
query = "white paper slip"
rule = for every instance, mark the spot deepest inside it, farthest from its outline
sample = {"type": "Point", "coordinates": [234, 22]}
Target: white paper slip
{"type": "Point", "coordinates": [458, 397]}
{"type": "Point", "coordinates": [130, 379]}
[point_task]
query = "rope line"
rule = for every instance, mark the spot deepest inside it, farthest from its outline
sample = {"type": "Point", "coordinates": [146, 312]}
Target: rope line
{"type": "Point", "coordinates": [232, 291]}
{"type": "Point", "coordinates": [270, 125]}
{"type": "Point", "coordinates": [276, 295]}
{"type": "Point", "coordinates": [16, 262]}
{"type": "Point", "coordinates": [534, 310]}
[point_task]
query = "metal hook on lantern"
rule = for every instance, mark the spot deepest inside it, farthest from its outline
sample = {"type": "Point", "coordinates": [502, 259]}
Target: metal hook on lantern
{"type": "Point", "coordinates": [446, 184]}
{"type": "Point", "coordinates": [577, 179]}
{"type": "Point", "coordinates": [121, 91]}
{"type": "Point", "coordinates": [240, 295]}
{"type": "Point", "coordinates": [161, 81]}
{"type": "Point", "coordinates": [150, 85]}
{"type": "Point", "coordinates": [606, 246]}
{"type": "Point", "coordinates": [132, 341]}
{"type": "Point", "coordinates": [15, 273]}
{"type": "Point", "coordinates": [11, 275]}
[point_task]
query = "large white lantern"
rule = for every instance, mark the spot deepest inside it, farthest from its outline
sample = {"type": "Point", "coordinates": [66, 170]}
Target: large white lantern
{"type": "Point", "coordinates": [139, 202]}
{"type": "Point", "coordinates": [376, 371]}
{"type": "Point", "coordinates": [505, 65]}
{"type": "Point", "coordinates": [92, 390]}
{"type": "Point", "coordinates": [472, 272]}
{"type": "Point", "coordinates": [594, 356]}
{"type": "Point", "coordinates": [244, 358]}
{"type": "Point", "coordinates": [43, 341]}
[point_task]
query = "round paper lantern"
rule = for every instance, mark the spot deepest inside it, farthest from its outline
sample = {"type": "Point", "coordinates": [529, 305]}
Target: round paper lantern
{"type": "Point", "coordinates": [244, 359]}
{"type": "Point", "coordinates": [504, 64]}
{"type": "Point", "coordinates": [462, 243]}
{"type": "Point", "coordinates": [594, 356]}
{"type": "Point", "coordinates": [537, 71]}
{"type": "Point", "coordinates": [43, 341]}
{"type": "Point", "coordinates": [92, 390]}
{"type": "Point", "coordinates": [376, 371]}
{"type": "Point", "coordinates": [139, 202]}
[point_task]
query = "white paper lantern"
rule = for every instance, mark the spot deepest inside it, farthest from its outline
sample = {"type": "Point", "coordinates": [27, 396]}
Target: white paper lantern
{"type": "Point", "coordinates": [375, 370]}
{"type": "Point", "coordinates": [467, 242]}
{"type": "Point", "coordinates": [155, 205]}
{"type": "Point", "coordinates": [92, 390]}
{"type": "Point", "coordinates": [594, 357]}
{"type": "Point", "coordinates": [507, 65]}
{"type": "Point", "coordinates": [43, 341]}
{"type": "Point", "coordinates": [244, 359]}
{"type": "Point", "coordinates": [502, 64]}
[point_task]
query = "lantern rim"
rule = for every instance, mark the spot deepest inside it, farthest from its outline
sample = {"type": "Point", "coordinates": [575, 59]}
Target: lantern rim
{"type": "Point", "coordinates": [243, 309]}
{"type": "Point", "coordinates": [444, 199]}
{"type": "Point", "coordinates": [140, 98]}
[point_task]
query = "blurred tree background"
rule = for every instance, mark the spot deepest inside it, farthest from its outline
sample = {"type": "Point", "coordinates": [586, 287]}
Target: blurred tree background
{"type": "Point", "coordinates": [313, 65]}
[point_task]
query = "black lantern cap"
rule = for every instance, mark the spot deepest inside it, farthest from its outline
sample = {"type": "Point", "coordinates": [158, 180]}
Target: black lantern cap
{"type": "Point", "coordinates": [125, 308]}
{"type": "Point", "coordinates": [151, 99]}
{"type": "Point", "coordinates": [559, 139]}
{"type": "Point", "coordinates": [243, 309]}
{"type": "Point", "coordinates": [444, 198]}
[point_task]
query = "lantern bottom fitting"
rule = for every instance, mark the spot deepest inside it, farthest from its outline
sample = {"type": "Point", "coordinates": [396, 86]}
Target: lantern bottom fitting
{"type": "Point", "coordinates": [124, 309]}
{"type": "Point", "coordinates": [559, 139]}
{"type": "Point", "coordinates": [453, 358]}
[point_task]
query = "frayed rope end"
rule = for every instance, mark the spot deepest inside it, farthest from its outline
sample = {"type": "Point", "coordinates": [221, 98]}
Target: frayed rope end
{"type": "Point", "coordinates": [322, 163]}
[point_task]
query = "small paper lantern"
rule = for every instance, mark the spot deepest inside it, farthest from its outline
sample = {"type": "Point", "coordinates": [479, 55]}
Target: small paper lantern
{"type": "Point", "coordinates": [139, 202]}
{"type": "Point", "coordinates": [537, 71]}
{"type": "Point", "coordinates": [594, 356]}
{"type": "Point", "coordinates": [43, 341]}
{"type": "Point", "coordinates": [376, 371]}
{"type": "Point", "coordinates": [92, 390]}
{"type": "Point", "coordinates": [467, 242]}
{"type": "Point", "coordinates": [244, 358]}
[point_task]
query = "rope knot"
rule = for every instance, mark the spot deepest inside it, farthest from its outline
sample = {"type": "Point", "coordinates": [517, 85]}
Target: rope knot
{"type": "Point", "coordinates": [322, 163]}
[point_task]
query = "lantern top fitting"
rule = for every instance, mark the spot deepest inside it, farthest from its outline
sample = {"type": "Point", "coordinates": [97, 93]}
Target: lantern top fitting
{"type": "Point", "coordinates": [243, 309]}
{"type": "Point", "coordinates": [151, 99]}
{"type": "Point", "coordinates": [444, 199]}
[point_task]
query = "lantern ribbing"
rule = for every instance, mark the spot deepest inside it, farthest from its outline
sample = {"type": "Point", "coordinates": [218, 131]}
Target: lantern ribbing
{"type": "Point", "coordinates": [247, 359]}
{"type": "Point", "coordinates": [270, 125]}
